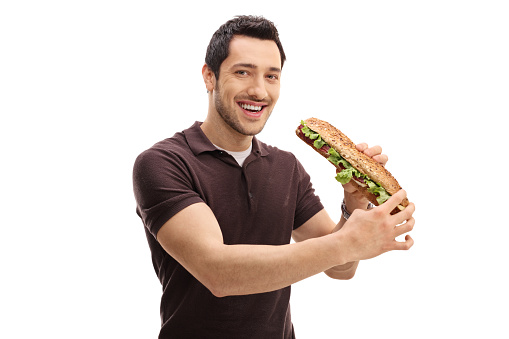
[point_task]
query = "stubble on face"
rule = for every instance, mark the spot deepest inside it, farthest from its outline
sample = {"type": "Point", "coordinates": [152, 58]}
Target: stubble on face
{"type": "Point", "coordinates": [230, 117]}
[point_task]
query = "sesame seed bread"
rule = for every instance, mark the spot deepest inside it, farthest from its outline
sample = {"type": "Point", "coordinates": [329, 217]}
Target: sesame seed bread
{"type": "Point", "coordinates": [363, 163]}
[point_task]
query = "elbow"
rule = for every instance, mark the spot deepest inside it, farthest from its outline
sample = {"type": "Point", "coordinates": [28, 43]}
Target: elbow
{"type": "Point", "coordinates": [217, 291]}
{"type": "Point", "coordinates": [341, 275]}
{"type": "Point", "coordinates": [345, 272]}
{"type": "Point", "coordinates": [216, 286]}
{"type": "Point", "coordinates": [348, 276]}
{"type": "Point", "coordinates": [214, 275]}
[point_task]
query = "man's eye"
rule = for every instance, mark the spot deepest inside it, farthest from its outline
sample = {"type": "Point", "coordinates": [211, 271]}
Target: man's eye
{"type": "Point", "coordinates": [241, 72]}
{"type": "Point", "coordinates": [273, 77]}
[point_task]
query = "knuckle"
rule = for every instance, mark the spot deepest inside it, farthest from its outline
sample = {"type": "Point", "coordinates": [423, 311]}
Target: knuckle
{"type": "Point", "coordinates": [378, 212]}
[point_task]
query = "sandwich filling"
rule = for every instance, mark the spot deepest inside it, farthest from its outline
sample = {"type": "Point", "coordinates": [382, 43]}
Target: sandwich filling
{"type": "Point", "coordinates": [348, 172]}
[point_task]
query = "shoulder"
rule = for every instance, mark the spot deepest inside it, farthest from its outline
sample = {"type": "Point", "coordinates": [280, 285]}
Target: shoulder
{"type": "Point", "coordinates": [160, 149]}
{"type": "Point", "coordinates": [172, 150]}
{"type": "Point", "coordinates": [182, 144]}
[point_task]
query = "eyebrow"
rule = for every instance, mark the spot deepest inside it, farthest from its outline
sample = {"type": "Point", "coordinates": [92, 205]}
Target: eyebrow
{"type": "Point", "coordinates": [253, 66]}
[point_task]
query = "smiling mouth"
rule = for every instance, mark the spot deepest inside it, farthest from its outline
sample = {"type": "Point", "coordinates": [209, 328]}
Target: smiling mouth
{"type": "Point", "coordinates": [252, 109]}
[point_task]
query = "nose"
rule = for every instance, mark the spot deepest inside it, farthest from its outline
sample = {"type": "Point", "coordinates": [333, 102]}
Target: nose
{"type": "Point", "coordinates": [257, 88]}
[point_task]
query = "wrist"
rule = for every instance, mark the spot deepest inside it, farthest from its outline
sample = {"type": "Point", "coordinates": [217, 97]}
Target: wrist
{"type": "Point", "coordinates": [348, 211]}
{"type": "Point", "coordinates": [355, 200]}
{"type": "Point", "coordinates": [343, 253]}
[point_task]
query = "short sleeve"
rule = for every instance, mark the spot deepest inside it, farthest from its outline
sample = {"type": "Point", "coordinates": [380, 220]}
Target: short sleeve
{"type": "Point", "coordinates": [308, 203]}
{"type": "Point", "coordinates": [162, 187]}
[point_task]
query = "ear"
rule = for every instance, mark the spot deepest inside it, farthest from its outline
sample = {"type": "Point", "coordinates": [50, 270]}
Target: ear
{"type": "Point", "coordinates": [208, 77]}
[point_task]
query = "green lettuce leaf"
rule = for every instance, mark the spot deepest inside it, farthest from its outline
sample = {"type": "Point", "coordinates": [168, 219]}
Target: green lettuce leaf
{"type": "Point", "coordinates": [334, 156]}
{"type": "Point", "coordinates": [308, 132]}
{"type": "Point", "coordinates": [346, 174]}
{"type": "Point", "coordinates": [319, 142]}
{"type": "Point", "coordinates": [376, 189]}
{"type": "Point", "coordinates": [337, 159]}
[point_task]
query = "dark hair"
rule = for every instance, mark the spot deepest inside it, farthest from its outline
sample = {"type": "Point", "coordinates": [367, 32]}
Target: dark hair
{"type": "Point", "coordinates": [248, 25]}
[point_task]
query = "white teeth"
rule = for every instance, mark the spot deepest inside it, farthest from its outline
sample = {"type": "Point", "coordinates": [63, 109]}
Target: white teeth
{"type": "Point", "coordinates": [251, 107]}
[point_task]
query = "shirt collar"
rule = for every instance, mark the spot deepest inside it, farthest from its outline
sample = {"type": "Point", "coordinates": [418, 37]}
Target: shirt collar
{"type": "Point", "coordinates": [199, 143]}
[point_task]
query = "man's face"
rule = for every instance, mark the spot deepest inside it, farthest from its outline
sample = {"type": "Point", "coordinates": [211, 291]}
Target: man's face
{"type": "Point", "coordinates": [248, 86]}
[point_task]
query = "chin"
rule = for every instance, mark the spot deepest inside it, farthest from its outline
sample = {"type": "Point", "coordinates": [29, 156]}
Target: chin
{"type": "Point", "coordinates": [254, 127]}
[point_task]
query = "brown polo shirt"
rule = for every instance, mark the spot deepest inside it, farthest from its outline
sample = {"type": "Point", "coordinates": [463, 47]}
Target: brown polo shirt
{"type": "Point", "coordinates": [261, 202]}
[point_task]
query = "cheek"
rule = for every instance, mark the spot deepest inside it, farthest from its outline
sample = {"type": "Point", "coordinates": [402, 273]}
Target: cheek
{"type": "Point", "coordinates": [229, 90]}
{"type": "Point", "coordinates": [274, 93]}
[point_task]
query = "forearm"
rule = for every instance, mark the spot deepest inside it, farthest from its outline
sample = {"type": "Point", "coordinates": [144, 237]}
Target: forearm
{"type": "Point", "coordinates": [193, 238]}
{"type": "Point", "coordinates": [249, 269]}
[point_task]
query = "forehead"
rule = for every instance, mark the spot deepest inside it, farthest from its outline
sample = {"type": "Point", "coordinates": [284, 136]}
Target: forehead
{"type": "Point", "coordinates": [248, 50]}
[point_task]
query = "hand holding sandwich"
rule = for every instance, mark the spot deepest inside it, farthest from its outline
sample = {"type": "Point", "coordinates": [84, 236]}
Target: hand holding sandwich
{"type": "Point", "coordinates": [373, 232]}
{"type": "Point", "coordinates": [354, 199]}
{"type": "Point", "coordinates": [361, 171]}
{"type": "Point", "coordinates": [369, 233]}
{"type": "Point", "coordinates": [371, 178]}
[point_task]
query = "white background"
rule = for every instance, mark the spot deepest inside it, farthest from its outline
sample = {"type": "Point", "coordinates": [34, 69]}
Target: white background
{"type": "Point", "coordinates": [85, 86]}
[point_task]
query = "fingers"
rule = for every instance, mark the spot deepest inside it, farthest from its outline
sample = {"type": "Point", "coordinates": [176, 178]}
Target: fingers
{"type": "Point", "coordinates": [404, 228]}
{"type": "Point", "coordinates": [362, 146]}
{"type": "Point", "coordinates": [404, 245]}
{"type": "Point", "coordinates": [381, 159]}
{"type": "Point", "coordinates": [406, 214]}
{"type": "Point", "coordinates": [394, 201]}
{"type": "Point", "coordinates": [374, 152]}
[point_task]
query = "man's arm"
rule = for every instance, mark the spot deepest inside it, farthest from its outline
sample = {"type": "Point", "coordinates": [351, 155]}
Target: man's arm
{"type": "Point", "coordinates": [318, 226]}
{"type": "Point", "coordinates": [193, 237]}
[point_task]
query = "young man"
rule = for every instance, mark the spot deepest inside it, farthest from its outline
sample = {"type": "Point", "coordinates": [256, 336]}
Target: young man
{"type": "Point", "coordinates": [220, 207]}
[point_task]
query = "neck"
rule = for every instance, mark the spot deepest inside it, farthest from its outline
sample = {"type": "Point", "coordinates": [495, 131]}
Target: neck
{"type": "Point", "coordinates": [222, 135]}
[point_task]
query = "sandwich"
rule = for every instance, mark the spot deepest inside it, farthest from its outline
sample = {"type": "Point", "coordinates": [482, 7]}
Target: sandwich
{"type": "Point", "coordinates": [370, 177]}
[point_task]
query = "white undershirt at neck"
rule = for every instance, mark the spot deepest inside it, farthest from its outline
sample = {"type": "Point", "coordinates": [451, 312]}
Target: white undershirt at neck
{"type": "Point", "coordinates": [239, 156]}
